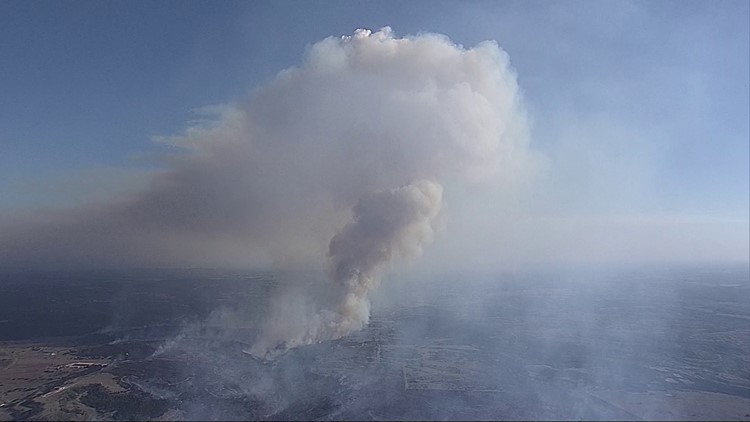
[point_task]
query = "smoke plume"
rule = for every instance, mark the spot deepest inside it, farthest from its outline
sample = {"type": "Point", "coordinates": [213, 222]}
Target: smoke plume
{"type": "Point", "coordinates": [349, 151]}
{"type": "Point", "coordinates": [389, 224]}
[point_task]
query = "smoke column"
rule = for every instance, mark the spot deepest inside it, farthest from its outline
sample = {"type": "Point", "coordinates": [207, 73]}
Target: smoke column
{"type": "Point", "coordinates": [440, 112]}
{"type": "Point", "coordinates": [389, 224]}
{"type": "Point", "coordinates": [344, 159]}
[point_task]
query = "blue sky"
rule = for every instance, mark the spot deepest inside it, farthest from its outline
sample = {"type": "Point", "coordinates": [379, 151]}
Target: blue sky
{"type": "Point", "coordinates": [656, 93]}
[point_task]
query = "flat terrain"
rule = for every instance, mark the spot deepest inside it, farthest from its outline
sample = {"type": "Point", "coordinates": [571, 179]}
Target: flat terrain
{"type": "Point", "coordinates": [621, 345]}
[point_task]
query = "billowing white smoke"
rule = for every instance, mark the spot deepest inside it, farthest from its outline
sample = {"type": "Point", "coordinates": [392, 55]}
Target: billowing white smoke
{"type": "Point", "coordinates": [416, 108]}
{"type": "Point", "coordinates": [386, 225]}
{"type": "Point", "coordinates": [370, 119]}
